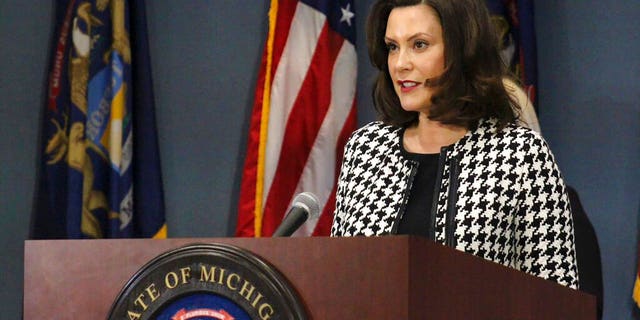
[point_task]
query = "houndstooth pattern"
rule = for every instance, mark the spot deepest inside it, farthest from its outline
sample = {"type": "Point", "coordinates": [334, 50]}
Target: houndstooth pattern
{"type": "Point", "coordinates": [511, 205]}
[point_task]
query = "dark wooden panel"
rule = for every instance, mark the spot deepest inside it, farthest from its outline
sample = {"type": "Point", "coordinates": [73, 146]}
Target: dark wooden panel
{"type": "Point", "coordinates": [346, 278]}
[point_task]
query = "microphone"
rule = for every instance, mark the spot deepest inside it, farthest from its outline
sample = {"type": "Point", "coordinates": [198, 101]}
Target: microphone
{"type": "Point", "coordinates": [305, 205]}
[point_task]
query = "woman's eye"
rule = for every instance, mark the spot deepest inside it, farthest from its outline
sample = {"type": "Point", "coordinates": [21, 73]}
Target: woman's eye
{"type": "Point", "coordinates": [421, 44]}
{"type": "Point", "coordinates": [391, 47]}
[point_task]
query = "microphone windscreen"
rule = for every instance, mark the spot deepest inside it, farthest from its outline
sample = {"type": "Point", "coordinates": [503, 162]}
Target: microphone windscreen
{"type": "Point", "coordinates": [308, 201]}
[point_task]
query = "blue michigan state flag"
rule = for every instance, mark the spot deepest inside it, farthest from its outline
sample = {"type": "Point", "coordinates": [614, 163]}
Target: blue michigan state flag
{"type": "Point", "coordinates": [100, 170]}
{"type": "Point", "coordinates": [514, 20]}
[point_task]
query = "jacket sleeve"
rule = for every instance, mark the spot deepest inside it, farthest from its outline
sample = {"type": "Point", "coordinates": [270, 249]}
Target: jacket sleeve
{"type": "Point", "coordinates": [337, 228]}
{"type": "Point", "coordinates": [544, 225]}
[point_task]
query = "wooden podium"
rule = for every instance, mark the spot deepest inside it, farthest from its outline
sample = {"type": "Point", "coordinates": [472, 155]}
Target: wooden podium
{"type": "Point", "coordinates": [396, 277]}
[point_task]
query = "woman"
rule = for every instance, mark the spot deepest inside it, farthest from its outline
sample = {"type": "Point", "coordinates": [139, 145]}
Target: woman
{"type": "Point", "coordinates": [447, 160]}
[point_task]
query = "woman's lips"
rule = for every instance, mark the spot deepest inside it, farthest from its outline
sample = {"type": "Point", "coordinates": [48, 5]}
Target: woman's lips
{"type": "Point", "coordinates": [407, 85]}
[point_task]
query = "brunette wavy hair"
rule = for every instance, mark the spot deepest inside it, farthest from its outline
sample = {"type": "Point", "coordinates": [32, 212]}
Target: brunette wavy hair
{"type": "Point", "coordinates": [471, 86]}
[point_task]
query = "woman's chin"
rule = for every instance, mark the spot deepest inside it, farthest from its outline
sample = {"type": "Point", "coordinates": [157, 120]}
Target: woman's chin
{"type": "Point", "coordinates": [414, 108]}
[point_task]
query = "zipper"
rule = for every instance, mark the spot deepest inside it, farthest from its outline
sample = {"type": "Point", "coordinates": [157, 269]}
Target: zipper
{"type": "Point", "coordinates": [405, 197]}
{"type": "Point", "coordinates": [436, 191]}
{"type": "Point", "coordinates": [454, 172]}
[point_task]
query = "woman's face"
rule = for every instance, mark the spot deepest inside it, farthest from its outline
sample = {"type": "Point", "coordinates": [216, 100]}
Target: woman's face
{"type": "Point", "coordinates": [416, 54]}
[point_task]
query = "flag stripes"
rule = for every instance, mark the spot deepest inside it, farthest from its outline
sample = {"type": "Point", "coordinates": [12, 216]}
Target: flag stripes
{"type": "Point", "coordinates": [289, 78]}
{"type": "Point", "coordinates": [325, 157]}
{"type": "Point", "coordinates": [310, 110]}
{"type": "Point", "coordinates": [303, 123]}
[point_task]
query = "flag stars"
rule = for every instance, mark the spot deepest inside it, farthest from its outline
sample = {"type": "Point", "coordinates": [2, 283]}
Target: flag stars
{"type": "Point", "coordinates": [347, 14]}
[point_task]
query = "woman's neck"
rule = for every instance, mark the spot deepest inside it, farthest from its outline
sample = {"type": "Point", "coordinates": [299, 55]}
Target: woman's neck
{"type": "Point", "coordinates": [430, 136]}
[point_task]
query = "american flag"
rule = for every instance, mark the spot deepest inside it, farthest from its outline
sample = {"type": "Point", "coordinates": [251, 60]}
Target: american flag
{"type": "Point", "coordinates": [303, 113]}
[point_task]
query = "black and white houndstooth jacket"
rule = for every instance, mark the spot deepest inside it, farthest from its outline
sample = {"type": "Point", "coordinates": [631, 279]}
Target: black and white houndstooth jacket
{"type": "Point", "coordinates": [500, 197]}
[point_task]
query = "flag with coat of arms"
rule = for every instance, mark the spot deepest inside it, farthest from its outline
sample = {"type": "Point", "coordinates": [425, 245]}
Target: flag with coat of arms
{"type": "Point", "coordinates": [514, 21]}
{"type": "Point", "coordinates": [303, 113]}
{"type": "Point", "coordinates": [100, 169]}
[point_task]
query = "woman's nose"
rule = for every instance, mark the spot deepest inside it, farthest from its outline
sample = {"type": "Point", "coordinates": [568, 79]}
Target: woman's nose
{"type": "Point", "coordinates": [403, 60]}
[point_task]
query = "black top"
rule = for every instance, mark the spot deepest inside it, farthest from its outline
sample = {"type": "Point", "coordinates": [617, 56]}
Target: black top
{"type": "Point", "coordinates": [417, 214]}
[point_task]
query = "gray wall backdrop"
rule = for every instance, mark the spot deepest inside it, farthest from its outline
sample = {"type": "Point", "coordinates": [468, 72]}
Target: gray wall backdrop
{"type": "Point", "coordinates": [205, 56]}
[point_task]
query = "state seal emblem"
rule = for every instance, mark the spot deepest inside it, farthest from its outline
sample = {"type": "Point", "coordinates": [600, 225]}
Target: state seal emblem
{"type": "Point", "coordinates": [205, 282]}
